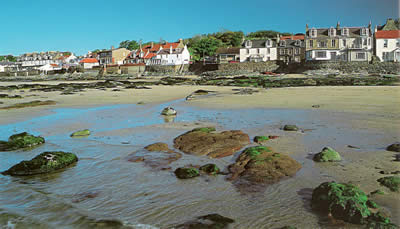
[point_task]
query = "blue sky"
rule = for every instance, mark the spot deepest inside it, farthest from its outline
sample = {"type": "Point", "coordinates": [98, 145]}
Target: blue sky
{"type": "Point", "coordinates": [83, 25]}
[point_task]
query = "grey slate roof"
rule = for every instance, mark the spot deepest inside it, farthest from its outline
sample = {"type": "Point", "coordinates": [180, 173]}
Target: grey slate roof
{"type": "Point", "coordinates": [323, 32]}
{"type": "Point", "coordinates": [292, 43]}
{"type": "Point", "coordinates": [259, 43]}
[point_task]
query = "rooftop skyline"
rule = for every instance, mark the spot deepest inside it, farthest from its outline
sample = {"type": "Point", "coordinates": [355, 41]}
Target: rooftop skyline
{"type": "Point", "coordinates": [81, 26]}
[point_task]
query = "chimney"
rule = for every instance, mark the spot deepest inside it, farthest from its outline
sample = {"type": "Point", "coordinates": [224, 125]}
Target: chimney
{"type": "Point", "coordinates": [170, 49]}
{"type": "Point", "coordinates": [306, 28]}
{"type": "Point", "coordinates": [338, 26]}
{"type": "Point", "coordinates": [152, 44]}
{"type": "Point", "coordinates": [292, 36]}
{"type": "Point", "coordinates": [112, 47]}
{"type": "Point", "coordinates": [181, 41]}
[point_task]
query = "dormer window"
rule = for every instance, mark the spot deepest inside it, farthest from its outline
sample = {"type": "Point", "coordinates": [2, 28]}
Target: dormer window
{"type": "Point", "coordinates": [364, 32]}
{"type": "Point", "coordinates": [332, 32]}
{"type": "Point", "coordinates": [282, 43]}
{"type": "Point", "coordinates": [345, 31]}
{"type": "Point", "coordinates": [298, 42]}
{"type": "Point", "coordinates": [268, 43]}
{"type": "Point", "coordinates": [313, 32]}
{"type": "Point", "coordinates": [248, 44]}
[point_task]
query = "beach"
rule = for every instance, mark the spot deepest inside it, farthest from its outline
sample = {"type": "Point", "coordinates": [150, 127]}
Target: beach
{"type": "Point", "coordinates": [357, 121]}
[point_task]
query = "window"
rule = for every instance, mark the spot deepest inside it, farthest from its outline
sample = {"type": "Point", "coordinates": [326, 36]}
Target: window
{"type": "Point", "coordinates": [313, 32]}
{"type": "Point", "coordinates": [398, 43]}
{"type": "Point", "coordinates": [268, 43]}
{"type": "Point", "coordinates": [311, 43]}
{"type": "Point", "coordinates": [364, 32]}
{"type": "Point", "coordinates": [296, 51]}
{"type": "Point", "coordinates": [360, 56]}
{"type": "Point", "coordinates": [282, 51]}
{"type": "Point", "coordinates": [247, 51]}
{"type": "Point", "coordinates": [345, 31]}
{"type": "Point", "coordinates": [248, 44]}
{"type": "Point", "coordinates": [322, 44]}
{"type": "Point", "coordinates": [332, 32]}
{"type": "Point", "coordinates": [333, 43]}
{"type": "Point", "coordinates": [369, 41]}
{"type": "Point", "coordinates": [365, 41]}
{"type": "Point", "coordinates": [258, 51]}
{"type": "Point", "coordinates": [267, 50]}
{"type": "Point", "coordinates": [344, 43]}
{"type": "Point", "coordinates": [298, 42]}
{"type": "Point", "coordinates": [385, 43]}
{"type": "Point", "coordinates": [283, 43]}
{"type": "Point", "coordinates": [321, 54]}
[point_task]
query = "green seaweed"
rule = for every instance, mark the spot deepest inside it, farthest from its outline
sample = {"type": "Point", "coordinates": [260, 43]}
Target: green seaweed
{"type": "Point", "coordinates": [391, 182]}
{"type": "Point", "coordinates": [327, 154]}
{"type": "Point", "coordinates": [81, 133]}
{"type": "Point", "coordinates": [43, 163]}
{"type": "Point", "coordinates": [259, 139]}
{"type": "Point", "coordinates": [254, 151]}
{"type": "Point", "coordinates": [186, 173]}
{"type": "Point", "coordinates": [210, 169]}
{"type": "Point", "coordinates": [21, 141]}
{"type": "Point", "coordinates": [204, 129]}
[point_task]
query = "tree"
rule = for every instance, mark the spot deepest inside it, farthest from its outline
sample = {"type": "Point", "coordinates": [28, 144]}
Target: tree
{"type": "Point", "coordinates": [265, 34]}
{"type": "Point", "coordinates": [230, 39]}
{"type": "Point", "coordinates": [200, 47]}
{"type": "Point", "coordinates": [9, 58]}
{"type": "Point", "coordinates": [131, 45]}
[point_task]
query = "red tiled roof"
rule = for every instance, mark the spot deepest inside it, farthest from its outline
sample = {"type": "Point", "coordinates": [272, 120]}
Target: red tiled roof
{"type": "Point", "coordinates": [89, 60]}
{"type": "Point", "coordinates": [156, 47]}
{"type": "Point", "coordinates": [54, 65]}
{"type": "Point", "coordinates": [387, 34]}
{"type": "Point", "coordinates": [149, 55]}
{"type": "Point", "coordinates": [297, 37]}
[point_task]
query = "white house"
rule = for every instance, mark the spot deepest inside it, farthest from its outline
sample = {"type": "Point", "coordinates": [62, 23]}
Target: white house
{"type": "Point", "coordinates": [171, 56]}
{"type": "Point", "coordinates": [259, 50]}
{"type": "Point", "coordinates": [89, 63]}
{"type": "Point", "coordinates": [387, 45]}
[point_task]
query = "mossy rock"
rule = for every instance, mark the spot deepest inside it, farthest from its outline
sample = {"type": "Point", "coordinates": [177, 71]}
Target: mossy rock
{"type": "Point", "coordinates": [81, 133]}
{"type": "Point", "coordinates": [394, 147]}
{"type": "Point", "coordinates": [326, 155]}
{"type": "Point", "coordinates": [288, 227]}
{"type": "Point", "coordinates": [290, 128]}
{"type": "Point", "coordinates": [346, 202]}
{"type": "Point", "coordinates": [211, 169]}
{"type": "Point", "coordinates": [204, 129]}
{"type": "Point", "coordinates": [186, 173]}
{"type": "Point", "coordinates": [43, 163]}
{"type": "Point", "coordinates": [21, 141]}
{"type": "Point", "coordinates": [260, 139]}
{"type": "Point", "coordinates": [168, 111]}
{"type": "Point", "coordinates": [210, 221]}
{"type": "Point", "coordinates": [392, 182]}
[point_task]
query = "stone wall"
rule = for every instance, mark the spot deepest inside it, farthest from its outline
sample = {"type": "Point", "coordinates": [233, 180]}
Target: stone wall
{"type": "Point", "coordinates": [166, 69]}
{"type": "Point", "coordinates": [132, 69]}
{"type": "Point", "coordinates": [356, 67]}
{"type": "Point", "coordinates": [246, 68]}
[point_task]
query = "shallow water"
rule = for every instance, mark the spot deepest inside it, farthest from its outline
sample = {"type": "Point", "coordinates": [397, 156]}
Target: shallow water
{"type": "Point", "coordinates": [105, 185]}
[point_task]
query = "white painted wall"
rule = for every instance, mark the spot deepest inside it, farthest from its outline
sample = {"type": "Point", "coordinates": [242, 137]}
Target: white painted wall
{"type": "Point", "coordinates": [266, 53]}
{"type": "Point", "coordinates": [380, 49]}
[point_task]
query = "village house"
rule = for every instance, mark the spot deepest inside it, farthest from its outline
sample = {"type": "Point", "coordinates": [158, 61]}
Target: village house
{"type": "Point", "coordinates": [227, 55]}
{"type": "Point", "coordinates": [35, 60]}
{"type": "Point", "coordinates": [291, 49]}
{"type": "Point", "coordinates": [166, 53]}
{"type": "Point", "coordinates": [339, 43]}
{"type": "Point", "coordinates": [113, 56]}
{"type": "Point", "coordinates": [89, 63]}
{"type": "Point", "coordinates": [259, 50]}
{"type": "Point", "coordinates": [387, 42]}
{"type": "Point", "coordinates": [9, 66]}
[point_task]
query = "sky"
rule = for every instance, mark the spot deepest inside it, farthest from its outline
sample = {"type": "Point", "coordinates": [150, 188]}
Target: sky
{"type": "Point", "coordinates": [83, 25]}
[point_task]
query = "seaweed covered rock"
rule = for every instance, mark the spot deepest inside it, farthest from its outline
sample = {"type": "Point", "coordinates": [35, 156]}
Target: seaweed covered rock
{"type": "Point", "coordinates": [168, 111]}
{"type": "Point", "coordinates": [260, 139]}
{"type": "Point", "coordinates": [20, 141]}
{"type": "Point", "coordinates": [395, 147]}
{"type": "Point", "coordinates": [186, 173]}
{"type": "Point", "coordinates": [260, 164]}
{"type": "Point", "coordinates": [202, 141]}
{"type": "Point", "coordinates": [327, 154]}
{"type": "Point", "coordinates": [81, 133]}
{"type": "Point", "coordinates": [391, 182]}
{"type": "Point", "coordinates": [346, 202]}
{"type": "Point", "coordinates": [210, 221]}
{"type": "Point", "coordinates": [43, 163]}
{"type": "Point", "coordinates": [211, 169]}
{"type": "Point", "coordinates": [290, 128]}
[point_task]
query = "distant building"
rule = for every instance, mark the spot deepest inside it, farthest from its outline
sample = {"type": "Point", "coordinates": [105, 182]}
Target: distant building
{"type": "Point", "coordinates": [113, 56]}
{"type": "Point", "coordinates": [291, 49]}
{"type": "Point", "coordinates": [259, 50]}
{"type": "Point", "coordinates": [339, 43]}
{"type": "Point", "coordinates": [226, 55]}
{"type": "Point", "coordinates": [387, 42]}
{"type": "Point", "coordinates": [9, 66]}
{"type": "Point", "coordinates": [175, 53]}
{"type": "Point", "coordinates": [89, 63]}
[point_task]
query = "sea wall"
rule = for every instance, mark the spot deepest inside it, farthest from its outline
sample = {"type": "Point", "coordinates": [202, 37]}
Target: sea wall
{"type": "Point", "coordinates": [246, 68]}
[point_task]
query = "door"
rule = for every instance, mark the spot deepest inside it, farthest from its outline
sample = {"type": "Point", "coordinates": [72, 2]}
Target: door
{"type": "Point", "coordinates": [333, 56]}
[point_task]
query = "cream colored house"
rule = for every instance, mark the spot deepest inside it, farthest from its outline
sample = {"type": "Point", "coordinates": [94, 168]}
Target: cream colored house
{"type": "Point", "coordinates": [387, 45]}
{"type": "Point", "coordinates": [259, 50]}
{"type": "Point", "coordinates": [113, 56]}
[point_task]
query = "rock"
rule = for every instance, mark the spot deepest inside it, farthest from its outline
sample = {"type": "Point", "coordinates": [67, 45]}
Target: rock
{"type": "Point", "coordinates": [394, 147]}
{"type": "Point", "coordinates": [140, 103]}
{"type": "Point", "coordinates": [21, 141]}
{"type": "Point", "coordinates": [260, 139]}
{"type": "Point", "coordinates": [288, 227]}
{"type": "Point", "coordinates": [156, 160]}
{"type": "Point", "coordinates": [43, 163]}
{"type": "Point", "coordinates": [391, 182]}
{"type": "Point", "coordinates": [81, 133]}
{"type": "Point", "coordinates": [159, 146]}
{"type": "Point", "coordinates": [273, 137]}
{"type": "Point", "coordinates": [260, 164]}
{"type": "Point", "coordinates": [168, 111]}
{"type": "Point", "coordinates": [377, 192]}
{"type": "Point", "coordinates": [316, 106]}
{"type": "Point", "coordinates": [186, 173]}
{"type": "Point", "coordinates": [201, 141]}
{"type": "Point", "coordinates": [107, 223]}
{"type": "Point", "coordinates": [345, 202]}
{"type": "Point", "coordinates": [326, 155]}
{"type": "Point", "coordinates": [210, 169]}
{"type": "Point", "coordinates": [211, 221]}
{"type": "Point", "coordinates": [290, 128]}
